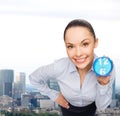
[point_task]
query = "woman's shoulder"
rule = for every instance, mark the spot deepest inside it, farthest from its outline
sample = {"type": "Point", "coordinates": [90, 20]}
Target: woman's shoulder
{"type": "Point", "coordinates": [65, 61]}
{"type": "Point", "coordinates": [62, 60]}
{"type": "Point", "coordinates": [61, 65]}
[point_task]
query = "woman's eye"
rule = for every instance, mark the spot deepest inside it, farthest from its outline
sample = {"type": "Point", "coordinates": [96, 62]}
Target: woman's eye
{"type": "Point", "coordinates": [70, 46]}
{"type": "Point", "coordinates": [85, 44]}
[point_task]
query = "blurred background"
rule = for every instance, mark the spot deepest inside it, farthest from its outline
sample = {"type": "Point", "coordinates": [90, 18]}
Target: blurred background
{"type": "Point", "coordinates": [31, 31]}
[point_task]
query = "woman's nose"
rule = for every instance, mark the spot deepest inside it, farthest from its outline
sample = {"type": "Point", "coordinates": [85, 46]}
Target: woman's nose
{"type": "Point", "coordinates": [78, 51]}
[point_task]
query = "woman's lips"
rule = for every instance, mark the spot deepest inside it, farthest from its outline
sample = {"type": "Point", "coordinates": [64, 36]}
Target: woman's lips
{"type": "Point", "coordinates": [81, 60]}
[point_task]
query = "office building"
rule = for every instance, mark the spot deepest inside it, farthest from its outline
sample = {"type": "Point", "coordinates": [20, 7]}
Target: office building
{"type": "Point", "coordinates": [19, 85]}
{"type": "Point", "coordinates": [6, 82]}
{"type": "Point", "coordinates": [25, 100]}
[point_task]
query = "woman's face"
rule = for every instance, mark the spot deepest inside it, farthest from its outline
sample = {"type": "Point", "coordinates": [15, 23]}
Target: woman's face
{"type": "Point", "coordinates": [80, 45]}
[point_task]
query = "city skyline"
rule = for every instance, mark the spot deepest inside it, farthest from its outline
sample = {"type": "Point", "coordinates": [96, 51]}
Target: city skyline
{"type": "Point", "coordinates": [30, 98]}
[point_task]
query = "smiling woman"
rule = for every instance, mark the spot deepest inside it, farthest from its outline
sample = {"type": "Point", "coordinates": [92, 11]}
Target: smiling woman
{"type": "Point", "coordinates": [81, 91]}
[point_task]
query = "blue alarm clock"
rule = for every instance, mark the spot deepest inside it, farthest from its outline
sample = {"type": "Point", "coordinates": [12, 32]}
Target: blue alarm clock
{"type": "Point", "coordinates": [103, 66]}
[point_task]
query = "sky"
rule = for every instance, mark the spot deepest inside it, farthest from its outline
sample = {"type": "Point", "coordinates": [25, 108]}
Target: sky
{"type": "Point", "coordinates": [31, 31]}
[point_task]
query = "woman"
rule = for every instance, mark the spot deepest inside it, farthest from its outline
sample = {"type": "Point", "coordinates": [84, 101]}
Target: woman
{"type": "Point", "coordinates": [81, 92]}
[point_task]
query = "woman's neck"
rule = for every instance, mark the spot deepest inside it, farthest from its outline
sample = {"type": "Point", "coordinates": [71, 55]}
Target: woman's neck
{"type": "Point", "coordinates": [83, 72]}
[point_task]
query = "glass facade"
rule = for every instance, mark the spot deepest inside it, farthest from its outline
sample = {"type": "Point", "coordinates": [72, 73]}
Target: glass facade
{"type": "Point", "coordinates": [6, 82]}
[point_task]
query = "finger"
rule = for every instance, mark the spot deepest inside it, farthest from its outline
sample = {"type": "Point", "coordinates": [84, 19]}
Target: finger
{"type": "Point", "coordinates": [103, 80]}
{"type": "Point", "coordinates": [62, 101]}
{"type": "Point", "coordinates": [65, 104]}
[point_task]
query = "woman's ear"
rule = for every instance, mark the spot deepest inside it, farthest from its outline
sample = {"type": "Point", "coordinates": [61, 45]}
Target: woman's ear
{"type": "Point", "coordinates": [96, 42]}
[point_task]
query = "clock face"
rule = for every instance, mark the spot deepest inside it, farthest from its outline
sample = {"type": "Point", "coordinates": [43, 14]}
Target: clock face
{"type": "Point", "coordinates": [103, 66]}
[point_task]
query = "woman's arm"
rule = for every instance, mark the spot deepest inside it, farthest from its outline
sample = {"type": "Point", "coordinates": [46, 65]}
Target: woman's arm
{"type": "Point", "coordinates": [104, 91]}
{"type": "Point", "coordinates": [39, 80]}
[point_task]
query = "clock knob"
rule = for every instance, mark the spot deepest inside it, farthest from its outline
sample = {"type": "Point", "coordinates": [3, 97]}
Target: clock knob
{"type": "Point", "coordinates": [103, 66]}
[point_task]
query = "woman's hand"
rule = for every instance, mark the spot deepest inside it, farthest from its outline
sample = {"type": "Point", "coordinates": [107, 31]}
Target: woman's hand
{"type": "Point", "coordinates": [62, 101]}
{"type": "Point", "coordinates": [103, 80]}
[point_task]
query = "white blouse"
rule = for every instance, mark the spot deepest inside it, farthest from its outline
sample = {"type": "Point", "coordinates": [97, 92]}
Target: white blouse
{"type": "Point", "coordinates": [66, 74]}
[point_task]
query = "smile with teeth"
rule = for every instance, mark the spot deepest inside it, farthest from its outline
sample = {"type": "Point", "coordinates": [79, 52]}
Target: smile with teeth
{"type": "Point", "coordinates": [81, 60]}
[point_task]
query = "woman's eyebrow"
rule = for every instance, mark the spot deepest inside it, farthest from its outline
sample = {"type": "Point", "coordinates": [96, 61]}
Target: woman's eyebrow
{"type": "Point", "coordinates": [85, 40]}
{"type": "Point", "coordinates": [69, 43]}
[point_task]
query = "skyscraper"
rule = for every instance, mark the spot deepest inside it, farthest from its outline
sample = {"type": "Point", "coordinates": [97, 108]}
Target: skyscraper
{"type": "Point", "coordinates": [19, 86]}
{"type": "Point", "coordinates": [113, 94]}
{"type": "Point", "coordinates": [6, 82]}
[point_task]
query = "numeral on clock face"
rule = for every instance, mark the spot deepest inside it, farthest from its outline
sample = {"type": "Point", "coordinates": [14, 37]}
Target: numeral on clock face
{"type": "Point", "coordinates": [103, 61]}
{"type": "Point", "coordinates": [102, 71]}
